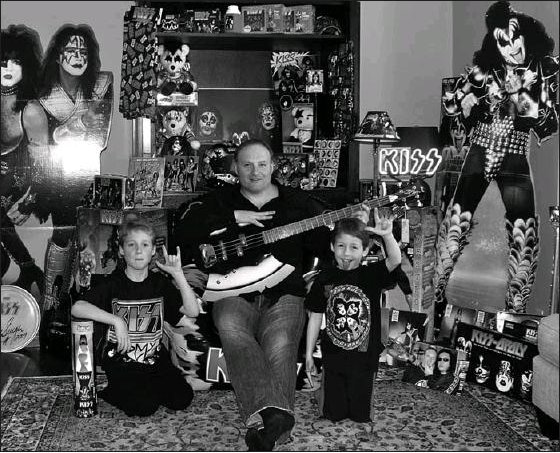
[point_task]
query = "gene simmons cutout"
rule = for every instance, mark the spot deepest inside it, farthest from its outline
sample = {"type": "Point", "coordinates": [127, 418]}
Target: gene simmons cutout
{"type": "Point", "coordinates": [509, 92]}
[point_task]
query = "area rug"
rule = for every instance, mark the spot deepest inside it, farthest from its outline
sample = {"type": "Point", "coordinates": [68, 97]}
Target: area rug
{"type": "Point", "coordinates": [37, 415]}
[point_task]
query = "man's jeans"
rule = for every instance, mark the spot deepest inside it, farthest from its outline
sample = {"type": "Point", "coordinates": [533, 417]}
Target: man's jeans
{"type": "Point", "coordinates": [260, 343]}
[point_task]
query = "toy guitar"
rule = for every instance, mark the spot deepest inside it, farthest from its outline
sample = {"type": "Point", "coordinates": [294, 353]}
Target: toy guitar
{"type": "Point", "coordinates": [269, 271]}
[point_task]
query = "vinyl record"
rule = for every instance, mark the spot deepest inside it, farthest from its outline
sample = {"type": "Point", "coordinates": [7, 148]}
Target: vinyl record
{"type": "Point", "coordinates": [20, 318]}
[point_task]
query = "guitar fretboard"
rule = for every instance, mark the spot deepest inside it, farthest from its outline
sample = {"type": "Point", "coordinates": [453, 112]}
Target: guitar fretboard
{"type": "Point", "coordinates": [285, 231]}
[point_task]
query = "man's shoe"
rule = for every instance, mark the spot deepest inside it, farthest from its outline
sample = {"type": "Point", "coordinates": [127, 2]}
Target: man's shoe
{"type": "Point", "coordinates": [256, 441]}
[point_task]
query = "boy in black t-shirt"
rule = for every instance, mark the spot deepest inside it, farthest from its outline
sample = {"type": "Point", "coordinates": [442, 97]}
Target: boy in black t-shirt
{"type": "Point", "coordinates": [349, 297]}
{"type": "Point", "coordinates": [134, 303]}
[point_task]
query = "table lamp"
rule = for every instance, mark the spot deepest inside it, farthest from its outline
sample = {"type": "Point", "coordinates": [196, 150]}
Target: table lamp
{"type": "Point", "coordinates": [376, 128]}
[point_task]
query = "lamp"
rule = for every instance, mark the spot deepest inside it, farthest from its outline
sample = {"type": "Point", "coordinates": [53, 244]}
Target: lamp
{"type": "Point", "coordinates": [376, 128]}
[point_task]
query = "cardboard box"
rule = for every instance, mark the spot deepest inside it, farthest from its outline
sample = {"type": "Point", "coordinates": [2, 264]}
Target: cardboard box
{"type": "Point", "coordinates": [499, 361]}
{"type": "Point", "coordinates": [113, 192]}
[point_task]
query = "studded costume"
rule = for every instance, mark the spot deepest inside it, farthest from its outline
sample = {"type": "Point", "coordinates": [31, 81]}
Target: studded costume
{"type": "Point", "coordinates": [509, 92]}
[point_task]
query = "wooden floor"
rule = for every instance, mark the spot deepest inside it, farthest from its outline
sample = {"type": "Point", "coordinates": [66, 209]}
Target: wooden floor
{"type": "Point", "coordinates": [31, 361]}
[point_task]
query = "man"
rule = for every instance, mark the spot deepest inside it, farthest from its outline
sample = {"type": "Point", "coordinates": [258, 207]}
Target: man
{"type": "Point", "coordinates": [260, 332]}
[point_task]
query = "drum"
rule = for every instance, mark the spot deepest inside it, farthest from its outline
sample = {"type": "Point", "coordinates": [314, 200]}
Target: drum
{"type": "Point", "coordinates": [21, 317]}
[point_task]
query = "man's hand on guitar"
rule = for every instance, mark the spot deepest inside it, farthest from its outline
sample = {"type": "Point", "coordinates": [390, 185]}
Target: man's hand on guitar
{"type": "Point", "coordinates": [383, 223]}
{"type": "Point", "coordinates": [363, 213]}
{"type": "Point", "coordinates": [254, 217]}
{"type": "Point", "coordinates": [172, 263]}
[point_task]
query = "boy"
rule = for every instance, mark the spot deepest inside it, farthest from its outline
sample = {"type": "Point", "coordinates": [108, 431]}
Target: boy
{"type": "Point", "coordinates": [349, 296]}
{"type": "Point", "coordinates": [134, 302]}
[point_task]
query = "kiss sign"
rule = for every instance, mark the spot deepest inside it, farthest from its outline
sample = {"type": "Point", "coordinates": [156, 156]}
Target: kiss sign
{"type": "Point", "coordinates": [403, 161]}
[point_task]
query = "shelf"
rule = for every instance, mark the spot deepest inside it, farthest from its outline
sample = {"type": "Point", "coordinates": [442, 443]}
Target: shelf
{"type": "Point", "coordinates": [252, 41]}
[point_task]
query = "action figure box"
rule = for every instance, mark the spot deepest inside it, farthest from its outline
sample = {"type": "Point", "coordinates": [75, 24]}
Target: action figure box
{"type": "Point", "coordinates": [254, 19]}
{"type": "Point", "coordinates": [98, 238]}
{"type": "Point", "coordinates": [454, 314]}
{"type": "Point", "coordinates": [299, 19]}
{"type": "Point", "coordinates": [525, 319]}
{"type": "Point", "coordinates": [275, 18]}
{"type": "Point", "coordinates": [148, 174]}
{"type": "Point", "coordinates": [498, 361]}
{"type": "Point", "coordinates": [113, 192]}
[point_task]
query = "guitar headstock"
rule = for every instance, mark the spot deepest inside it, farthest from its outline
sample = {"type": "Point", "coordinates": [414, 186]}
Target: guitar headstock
{"type": "Point", "coordinates": [411, 191]}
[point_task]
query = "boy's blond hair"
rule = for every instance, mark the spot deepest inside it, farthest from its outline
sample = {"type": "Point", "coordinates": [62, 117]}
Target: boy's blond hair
{"type": "Point", "coordinates": [136, 225]}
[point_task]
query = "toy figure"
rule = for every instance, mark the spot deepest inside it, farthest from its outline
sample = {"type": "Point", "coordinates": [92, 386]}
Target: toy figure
{"type": "Point", "coordinates": [303, 120]}
{"type": "Point", "coordinates": [176, 132]}
{"type": "Point", "coordinates": [509, 92]}
{"type": "Point", "coordinates": [174, 69]}
{"type": "Point", "coordinates": [24, 142]}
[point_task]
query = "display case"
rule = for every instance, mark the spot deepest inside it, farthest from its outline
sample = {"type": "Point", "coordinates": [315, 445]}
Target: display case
{"type": "Point", "coordinates": [234, 73]}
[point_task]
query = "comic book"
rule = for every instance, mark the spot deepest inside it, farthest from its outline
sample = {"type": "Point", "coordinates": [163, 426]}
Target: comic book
{"type": "Point", "coordinates": [148, 181]}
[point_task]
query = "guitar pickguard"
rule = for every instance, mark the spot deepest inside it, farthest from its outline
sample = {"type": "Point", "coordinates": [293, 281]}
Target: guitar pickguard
{"type": "Point", "coordinates": [247, 279]}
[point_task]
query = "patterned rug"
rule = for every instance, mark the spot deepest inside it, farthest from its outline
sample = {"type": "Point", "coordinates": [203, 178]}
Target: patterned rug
{"type": "Point", "coordinates": [37, 415]}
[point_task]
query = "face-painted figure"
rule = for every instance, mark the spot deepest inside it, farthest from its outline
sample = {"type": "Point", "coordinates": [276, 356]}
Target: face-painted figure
{"type": "Point", "coordinates": [267, 116]}
{"type": "Point", "coordinates": [481, 373]}
{"type": "Point", "coordinates": [444, 362]}
{"type": "Point", "coordinates": [511, 43]}
{"type": "Point", "coordinates": [11, 72]}
{"type": "Point", "coordinates": [526, 382]}
{"type": "Point", "coordinates": [504, 379]}
{"type": "Point", "coordinates": [208, 122]}
{"type": "Point", "coordinates": [73, 56]}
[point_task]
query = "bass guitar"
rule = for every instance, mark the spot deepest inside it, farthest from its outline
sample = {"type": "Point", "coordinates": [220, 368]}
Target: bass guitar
{"type": "Point", "coordinates": [268, 271]}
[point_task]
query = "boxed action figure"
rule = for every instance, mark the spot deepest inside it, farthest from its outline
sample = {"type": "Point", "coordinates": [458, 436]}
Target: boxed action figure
{"type": "Point", "coordinates": [299, 19]}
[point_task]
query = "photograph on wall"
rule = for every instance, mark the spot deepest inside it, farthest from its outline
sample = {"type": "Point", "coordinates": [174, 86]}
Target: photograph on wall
{"type": "Point", "coordinates": [327, 156]}
{"type": "Point", "coordinates": [314, 80]}
{"type": "Point", "coordinates": [148, 181]}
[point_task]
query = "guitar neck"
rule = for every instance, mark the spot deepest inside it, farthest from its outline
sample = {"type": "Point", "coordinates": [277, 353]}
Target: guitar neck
{"type": "Point", "coordinates": [328, 218]}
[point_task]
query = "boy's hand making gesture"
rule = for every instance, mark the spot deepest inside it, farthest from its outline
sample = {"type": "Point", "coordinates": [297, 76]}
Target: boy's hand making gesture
{"type": "Point", "coordinates": [172, 264]}
{"type": "Point", "coordinates": [383, 224]}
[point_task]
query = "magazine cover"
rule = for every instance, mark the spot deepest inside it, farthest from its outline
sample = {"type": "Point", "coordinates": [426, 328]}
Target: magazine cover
{"type": "Point", "coordinates": [499, 361]}
{"type": "Point", "coordinates": [289, 71]}
{"type": "Point", "coordinates": [148, 181]}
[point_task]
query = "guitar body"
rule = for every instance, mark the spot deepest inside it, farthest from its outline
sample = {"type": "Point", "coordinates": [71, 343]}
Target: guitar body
{"type": "Point", "coordinates": [246, 279]}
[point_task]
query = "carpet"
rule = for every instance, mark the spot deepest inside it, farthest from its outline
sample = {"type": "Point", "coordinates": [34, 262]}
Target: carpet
{"type": "Point", "coordinates": [37, 415]}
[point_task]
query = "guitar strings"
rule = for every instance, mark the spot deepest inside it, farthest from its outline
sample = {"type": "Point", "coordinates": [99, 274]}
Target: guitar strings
{"type": "Point", "coordinates": [257, 239]}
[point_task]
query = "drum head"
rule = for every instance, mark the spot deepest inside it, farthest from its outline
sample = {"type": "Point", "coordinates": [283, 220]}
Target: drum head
{"type": "Point", "coordinates": [20, 318]}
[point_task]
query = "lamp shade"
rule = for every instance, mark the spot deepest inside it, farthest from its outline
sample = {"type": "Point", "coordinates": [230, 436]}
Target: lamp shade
{"type": "Point", "coordinates": [421, 137]}
{"type": "Point", "coordinates": [377, 127]}
{"type": "Point", "coordinates": [233, 9]}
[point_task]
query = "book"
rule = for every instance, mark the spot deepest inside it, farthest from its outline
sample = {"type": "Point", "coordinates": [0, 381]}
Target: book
{"type": "Point", "coordinates": [148, 181]}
